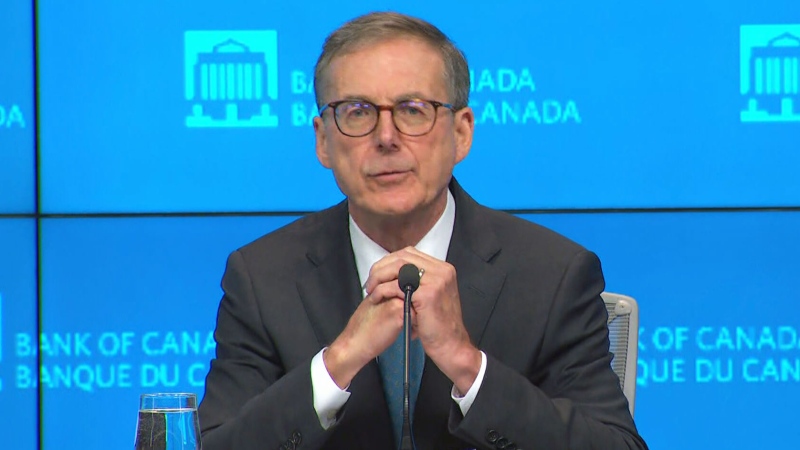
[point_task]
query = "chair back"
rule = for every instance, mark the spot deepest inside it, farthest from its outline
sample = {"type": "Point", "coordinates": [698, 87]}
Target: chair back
{"type": "Point", "coordinates": [623, 333]}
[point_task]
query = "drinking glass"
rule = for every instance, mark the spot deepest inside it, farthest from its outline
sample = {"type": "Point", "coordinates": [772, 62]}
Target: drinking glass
{"type": "Point", "coordinates": [168, 422]}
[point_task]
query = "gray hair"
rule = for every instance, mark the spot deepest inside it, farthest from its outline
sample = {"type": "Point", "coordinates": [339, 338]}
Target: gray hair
{"type": "Point", "coordinates": [379, 26]}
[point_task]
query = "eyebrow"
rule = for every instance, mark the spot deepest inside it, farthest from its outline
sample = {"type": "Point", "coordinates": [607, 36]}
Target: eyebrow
{"type": "Point", "coordinates": [414, 95]}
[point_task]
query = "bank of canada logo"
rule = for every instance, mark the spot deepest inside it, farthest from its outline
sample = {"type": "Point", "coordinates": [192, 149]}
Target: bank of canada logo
{"type": "Point", "coordinates": [770, 73]}
{"type": "Point", "coordinates": [231, 78]}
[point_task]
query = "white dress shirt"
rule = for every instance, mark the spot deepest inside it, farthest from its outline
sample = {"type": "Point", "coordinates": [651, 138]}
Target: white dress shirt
{"type": "Point", "coordinates": [328, 398]}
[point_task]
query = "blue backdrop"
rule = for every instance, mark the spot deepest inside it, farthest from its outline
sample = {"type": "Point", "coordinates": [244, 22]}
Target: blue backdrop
{"type": "Point", "coordinates": [18, 417]}
{"type": "Point", "coordinates": [579, 104]}
{"type": "Point", "coordinates": [17, 122]}
{"type": "Point", "coordinates": [681, 118]}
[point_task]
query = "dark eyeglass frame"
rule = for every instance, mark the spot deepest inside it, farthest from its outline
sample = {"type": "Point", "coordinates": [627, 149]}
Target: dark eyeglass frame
{"type": "Point", "coordinates": [390, 108]}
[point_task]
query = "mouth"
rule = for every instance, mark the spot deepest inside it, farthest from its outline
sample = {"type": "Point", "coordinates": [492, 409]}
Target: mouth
{"type": "Point", "coordinates": [390, 176]}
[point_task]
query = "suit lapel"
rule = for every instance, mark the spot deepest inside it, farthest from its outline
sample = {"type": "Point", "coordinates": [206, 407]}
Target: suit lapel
{"type": "Point", "coordinates": [473, 246]}
{"type": "Point", "coordinates": [329, 289]}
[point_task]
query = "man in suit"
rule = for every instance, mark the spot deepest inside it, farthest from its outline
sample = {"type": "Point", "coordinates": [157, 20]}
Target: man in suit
{"type": "Point", "coordinates": [509, 327]}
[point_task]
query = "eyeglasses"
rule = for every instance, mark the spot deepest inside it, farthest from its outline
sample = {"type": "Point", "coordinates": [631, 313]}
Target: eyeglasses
{"type": "Point", "coordinates": [356, 118]}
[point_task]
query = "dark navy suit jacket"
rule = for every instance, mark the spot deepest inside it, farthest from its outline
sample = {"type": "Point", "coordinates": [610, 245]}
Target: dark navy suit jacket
{"type": "Point", "coordinates": [530, 300]}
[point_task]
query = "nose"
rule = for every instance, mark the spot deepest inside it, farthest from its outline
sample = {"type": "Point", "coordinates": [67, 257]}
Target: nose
{"type": "Point", "coordinates": [386, 133]}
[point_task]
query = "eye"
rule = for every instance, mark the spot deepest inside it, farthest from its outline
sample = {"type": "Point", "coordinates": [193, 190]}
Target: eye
{"type": "Point", "coordinates": [356, 110]}
{"type": "Point", "coordinates": [414, 108]}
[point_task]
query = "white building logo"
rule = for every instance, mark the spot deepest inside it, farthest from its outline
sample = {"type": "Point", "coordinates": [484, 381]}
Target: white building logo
{"type": "Point", "coordinates": [231, 78]}
{"type": "Point", "coordinates": [770, 73]}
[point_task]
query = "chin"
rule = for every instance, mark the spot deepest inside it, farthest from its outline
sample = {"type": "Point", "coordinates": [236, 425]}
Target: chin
{"type": "Point", "coordinates": [394, 205]}
{"type": "Point", "coordinates": [395, 209]}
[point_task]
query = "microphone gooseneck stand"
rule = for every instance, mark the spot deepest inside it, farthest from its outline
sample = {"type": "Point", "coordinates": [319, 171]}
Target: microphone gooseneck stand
{"type": "Point", "coordinates": [409, 282]}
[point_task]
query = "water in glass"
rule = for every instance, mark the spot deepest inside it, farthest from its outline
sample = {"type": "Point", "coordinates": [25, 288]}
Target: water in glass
{"type": "Point", "coordinates": [168, 422]}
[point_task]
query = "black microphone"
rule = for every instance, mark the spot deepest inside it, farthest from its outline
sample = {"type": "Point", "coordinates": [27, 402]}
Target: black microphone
{"type": "Point", "coordinates": [408, 279]}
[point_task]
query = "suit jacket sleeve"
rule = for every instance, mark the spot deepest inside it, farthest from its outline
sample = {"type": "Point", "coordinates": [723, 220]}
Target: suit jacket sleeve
{"type": "Point", "coordinates": [250, 401]}
{"type": "Point", "coordinates": [573, 401]}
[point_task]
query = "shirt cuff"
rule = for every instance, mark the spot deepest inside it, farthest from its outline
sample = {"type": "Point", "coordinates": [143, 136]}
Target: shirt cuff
{"type": "Point", "coordinates": [328, 398]}
{"type": "Point", "coordinates": [465, 402]}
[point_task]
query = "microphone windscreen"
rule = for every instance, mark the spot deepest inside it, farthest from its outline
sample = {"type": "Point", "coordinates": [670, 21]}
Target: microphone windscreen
{"type": "Point", "coordinates": [408, 277]}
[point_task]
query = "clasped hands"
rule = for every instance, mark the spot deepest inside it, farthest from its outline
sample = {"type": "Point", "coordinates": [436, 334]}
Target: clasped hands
{"type": "Point", "coordinates": [436, 321]}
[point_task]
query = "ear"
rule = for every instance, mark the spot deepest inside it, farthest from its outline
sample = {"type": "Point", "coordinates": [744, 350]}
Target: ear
{"type": "Point", "coordinates": [464, 127]}
{"type": "Point", "coordinates": [321, 141]}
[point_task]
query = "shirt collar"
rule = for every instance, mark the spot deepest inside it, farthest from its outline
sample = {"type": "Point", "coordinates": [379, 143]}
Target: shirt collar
{"type": "Point", "coordinates": [435, 243]}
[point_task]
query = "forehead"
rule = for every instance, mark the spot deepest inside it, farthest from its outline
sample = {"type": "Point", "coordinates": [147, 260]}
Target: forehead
{"type": "Point", "coordinates": [387, 71]}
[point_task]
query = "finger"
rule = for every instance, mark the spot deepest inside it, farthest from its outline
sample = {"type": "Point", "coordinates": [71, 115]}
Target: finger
{"type": "Point", "coordinates": [385, 291]}
{"type": "Point", "coordinates": [388, 267]}
{"type": "Point", "coordinates": [424, 262]}
{"type": "Point", "coordinates": [383, 271]}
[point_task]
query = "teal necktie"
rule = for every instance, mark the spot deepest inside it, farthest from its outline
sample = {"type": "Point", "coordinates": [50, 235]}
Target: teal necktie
{"type": "Point", "coordinates": [391, 365]}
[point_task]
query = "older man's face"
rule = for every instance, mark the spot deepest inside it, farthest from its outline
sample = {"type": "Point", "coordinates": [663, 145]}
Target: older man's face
{"type": "Point", "coordinates": [387, 173]}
